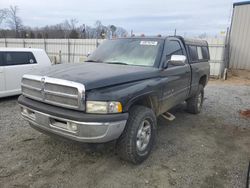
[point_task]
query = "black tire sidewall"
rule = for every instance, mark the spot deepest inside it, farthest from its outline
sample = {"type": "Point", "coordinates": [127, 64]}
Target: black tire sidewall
{"type": "Point", "coordinates": [144, 113]}
{"type": "Point", "coordinates": [192, 103]}
{"type": "Point", "coordinates": [126, 144]}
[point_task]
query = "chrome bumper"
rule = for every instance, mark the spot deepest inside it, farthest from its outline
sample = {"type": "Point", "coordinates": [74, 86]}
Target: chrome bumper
{"type": "Point", "coordinates": [89, 132]}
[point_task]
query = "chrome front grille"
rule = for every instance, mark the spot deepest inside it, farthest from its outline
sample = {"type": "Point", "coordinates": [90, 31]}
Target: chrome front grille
{"type": "Point", "coordinates": [54, 91]}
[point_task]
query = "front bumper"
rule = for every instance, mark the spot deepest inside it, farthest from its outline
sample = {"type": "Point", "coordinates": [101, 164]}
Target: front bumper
{"type": "Point", "coordinates": [93, 130]}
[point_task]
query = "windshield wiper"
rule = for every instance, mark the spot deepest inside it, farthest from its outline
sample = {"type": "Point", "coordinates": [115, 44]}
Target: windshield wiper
{"type": "Point", "coordinates": [94, 61]}
{"type": "Point", "coordinates": [119, 63]}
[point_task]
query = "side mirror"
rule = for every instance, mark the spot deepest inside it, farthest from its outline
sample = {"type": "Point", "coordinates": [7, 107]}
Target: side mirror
{"type": "Point", "coordinates": [88, 54]}
{"type": "Point", "coordinates": [177, 60]}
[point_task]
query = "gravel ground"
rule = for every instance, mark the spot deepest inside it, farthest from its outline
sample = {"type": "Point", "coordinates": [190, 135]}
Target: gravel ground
{"type": "Point", "coordinates": [211, 149]}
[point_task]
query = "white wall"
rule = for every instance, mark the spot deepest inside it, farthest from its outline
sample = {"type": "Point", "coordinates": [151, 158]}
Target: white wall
{"type": "Point", "coordinates": [59, 50]}
{"type": "Point", "coordinates": [217, 57]}
{"type": "Point", "coordinates": [239, 38]}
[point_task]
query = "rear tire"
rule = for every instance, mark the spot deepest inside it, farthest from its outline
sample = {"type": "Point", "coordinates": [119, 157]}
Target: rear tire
{"type": "Point", "coordinates": [194, 104]}
{"type": "Point", "coordinates": [137, 139]}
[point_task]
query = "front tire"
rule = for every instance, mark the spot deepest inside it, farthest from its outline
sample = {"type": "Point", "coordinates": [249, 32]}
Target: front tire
{"type": "Point", "coordinates": [137, 140]}
{"type": "Point", "coordinates": [194, 104]}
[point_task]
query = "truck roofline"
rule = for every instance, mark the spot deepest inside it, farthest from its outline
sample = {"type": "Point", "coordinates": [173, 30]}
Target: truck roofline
{"type": "Point", "coordinates": [187, 41]}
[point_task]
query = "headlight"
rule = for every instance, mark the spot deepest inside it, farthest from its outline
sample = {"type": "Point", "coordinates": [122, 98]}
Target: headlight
{"type": "Point", "coordinates": [101, 107]}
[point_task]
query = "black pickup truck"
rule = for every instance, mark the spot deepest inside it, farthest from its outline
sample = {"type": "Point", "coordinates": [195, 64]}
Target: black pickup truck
{"type": "Point", "coordinates": [119, 92]}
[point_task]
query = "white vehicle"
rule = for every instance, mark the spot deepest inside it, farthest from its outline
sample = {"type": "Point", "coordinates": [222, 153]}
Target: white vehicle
{"type": "Point", "coordinates": [14, 63]}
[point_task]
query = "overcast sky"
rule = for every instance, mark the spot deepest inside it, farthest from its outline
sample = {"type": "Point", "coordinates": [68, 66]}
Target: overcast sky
{"type": "Point", "coordinates": [151, 17]}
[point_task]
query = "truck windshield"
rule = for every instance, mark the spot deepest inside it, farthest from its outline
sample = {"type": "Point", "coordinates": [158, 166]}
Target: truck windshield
{"type": "Point", "coordinates": [139, 52]}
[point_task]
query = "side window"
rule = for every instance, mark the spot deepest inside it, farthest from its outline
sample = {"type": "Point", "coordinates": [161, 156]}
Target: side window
{"type": "Point", "coordinates": [193, 53]}
{"type": "Point", "coordinates": [200, 56]}
{"type": "Point", "coordinates": [1, 59]}
{"type": "Point", "coordinates": [18, 58]}
{"type": "Point", "coordinates": [205, 53]}
{"type": "Point", "coordinates": [173, 48]}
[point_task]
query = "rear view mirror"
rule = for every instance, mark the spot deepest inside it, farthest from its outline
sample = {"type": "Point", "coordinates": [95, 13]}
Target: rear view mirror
{"type": "Point", "coordinates": [177, 60]}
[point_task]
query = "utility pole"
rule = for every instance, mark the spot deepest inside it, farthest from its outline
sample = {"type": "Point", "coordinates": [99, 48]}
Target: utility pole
{"type": "Point", "coordinates": [174, 32]}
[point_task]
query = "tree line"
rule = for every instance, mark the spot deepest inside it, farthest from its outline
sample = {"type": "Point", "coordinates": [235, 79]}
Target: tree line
{"type": "Point", "coordinates": [11, 26]}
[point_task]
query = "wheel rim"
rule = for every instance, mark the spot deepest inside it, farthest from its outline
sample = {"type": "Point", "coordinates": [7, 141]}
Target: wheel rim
{"type": "Point", "coordinates": [143, 135]}
{"type": "Point", "coordinates": [199, 103]}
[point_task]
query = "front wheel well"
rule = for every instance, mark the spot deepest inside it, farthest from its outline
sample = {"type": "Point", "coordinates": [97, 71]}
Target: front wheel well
{"type": "Point", "coordinates": [203, 80]}
{"type": "Point", "coordinates": [146, 101]}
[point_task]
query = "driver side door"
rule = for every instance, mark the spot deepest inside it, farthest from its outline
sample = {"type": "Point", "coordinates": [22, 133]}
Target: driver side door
{"type": "Point", "coordinates": [176, 78]}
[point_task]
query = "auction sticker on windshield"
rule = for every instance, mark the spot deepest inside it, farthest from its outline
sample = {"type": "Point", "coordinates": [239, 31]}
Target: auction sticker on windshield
{"type": "Point", "coordinates": [149, 43]}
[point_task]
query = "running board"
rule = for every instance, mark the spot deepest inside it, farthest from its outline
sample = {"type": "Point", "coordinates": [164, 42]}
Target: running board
{"type": "Point", "coordinates": [168, 116]}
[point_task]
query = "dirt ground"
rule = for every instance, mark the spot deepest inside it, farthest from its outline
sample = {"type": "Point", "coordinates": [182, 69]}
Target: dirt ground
{"type": "Point", "coordinates": [211, 149]}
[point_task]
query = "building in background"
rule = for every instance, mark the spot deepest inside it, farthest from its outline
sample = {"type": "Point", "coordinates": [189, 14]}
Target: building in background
{"type": "Point", "coordinates": [239, 39]}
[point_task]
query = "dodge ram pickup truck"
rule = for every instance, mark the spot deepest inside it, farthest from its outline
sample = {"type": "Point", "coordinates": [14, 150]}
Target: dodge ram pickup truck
{"type": "Point", "coordinates": [118, 93]}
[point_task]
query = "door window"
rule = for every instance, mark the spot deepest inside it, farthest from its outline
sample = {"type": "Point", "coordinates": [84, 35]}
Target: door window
{"type": "Point", "coordinates": [200, 56]}
{"type": "Point", "coordinates": [193, 53]}
{"type": "Point", "coordinates": [1, 59]}
{"type": "Point", "coordinates": [18, 58]}
{"type": "Point", "coordinates": [173, 48]}
{"type": "Point", "coordinates": [205, 52]}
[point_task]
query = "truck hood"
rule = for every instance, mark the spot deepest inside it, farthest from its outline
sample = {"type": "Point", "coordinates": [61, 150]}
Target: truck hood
{"type": "Point", "coordinates": [97, 75]}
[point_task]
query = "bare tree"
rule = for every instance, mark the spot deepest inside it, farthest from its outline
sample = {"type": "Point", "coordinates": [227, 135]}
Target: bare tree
{"type": "Point", "coordinates": [113, 29]}
{"type": "Point", "coordinates": [3, 14]}
{"type": "Point", "coordinates": [202, 35]}
{"type": "Point", "coordinates": [121, 32]}
{"type": "Point", "coordinates": [73, 23]}
{"type": "Point", "coordinates": [67, 29]}
{"type": "Point", "coordinates": [98, 28]}
{"type": "Point", "coordinates": [69, 26]}
{"type": "Point", "coordinates": [13, 20]}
